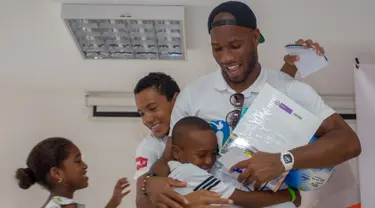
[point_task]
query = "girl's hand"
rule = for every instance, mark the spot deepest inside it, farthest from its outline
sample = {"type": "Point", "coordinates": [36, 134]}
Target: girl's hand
{"type": "Point", "coordinates": [118, 193]}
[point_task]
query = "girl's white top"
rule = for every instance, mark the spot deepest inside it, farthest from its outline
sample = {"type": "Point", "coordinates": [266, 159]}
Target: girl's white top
{"type": "Point", "coordinates": [59, 202]}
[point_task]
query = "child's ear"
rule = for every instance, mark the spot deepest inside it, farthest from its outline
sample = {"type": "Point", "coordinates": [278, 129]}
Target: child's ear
{"type": "Point", "coordinates": [56, 174]}
{"type": "Point", "coordinates": [176, 152]}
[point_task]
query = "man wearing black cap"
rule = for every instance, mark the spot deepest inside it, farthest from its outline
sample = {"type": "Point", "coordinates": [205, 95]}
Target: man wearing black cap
{"type": "Point", "coordinates": [234, 39]}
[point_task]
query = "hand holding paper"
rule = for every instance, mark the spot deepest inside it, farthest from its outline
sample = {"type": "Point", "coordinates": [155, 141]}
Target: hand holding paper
{"type": "Point", "coordinates": [260, 168]}
{"type": "Point", "coordinates": [309, 60]}
{"type": "Point", "coordinates": [272, 124]}
{"type": "Point", "coordinates": [291, 59]}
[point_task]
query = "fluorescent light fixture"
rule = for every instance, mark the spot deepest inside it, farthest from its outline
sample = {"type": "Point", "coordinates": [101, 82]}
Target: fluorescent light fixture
{"type": "Point", "coordinates": [127, 32]}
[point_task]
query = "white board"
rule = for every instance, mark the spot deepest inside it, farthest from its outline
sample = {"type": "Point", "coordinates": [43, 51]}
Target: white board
{"type": "Point", "coordinates": [365, 107]}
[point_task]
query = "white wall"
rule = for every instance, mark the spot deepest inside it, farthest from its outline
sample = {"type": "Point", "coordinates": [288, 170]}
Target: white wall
{"type": "Point", "coordinates": [43, 80]}
{"type": "Point", "coordinates": [36, 48]}
{"type": "Point", "coordinates": [31, 115]}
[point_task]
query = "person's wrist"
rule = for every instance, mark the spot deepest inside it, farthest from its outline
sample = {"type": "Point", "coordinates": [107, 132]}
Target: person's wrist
{"type": "Point", "coordinates": [279, 165]}
{"type": "Point", "coordinates": [289, 63]}
{"type": "Point", "coordinates": [146, 182]}
{"type": "Point", "coordinates": [111, 204]}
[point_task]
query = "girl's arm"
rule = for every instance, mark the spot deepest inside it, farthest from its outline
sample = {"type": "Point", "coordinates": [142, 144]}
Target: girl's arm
{"type": "Point", "coordinates": [118, 193]}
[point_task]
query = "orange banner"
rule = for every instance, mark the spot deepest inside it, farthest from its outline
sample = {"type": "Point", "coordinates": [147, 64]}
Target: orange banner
{"type": "Point", "coordinates": [356, 206]}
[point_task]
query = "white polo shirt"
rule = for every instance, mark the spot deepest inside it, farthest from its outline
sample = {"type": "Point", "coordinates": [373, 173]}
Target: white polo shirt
{"type": "Point", "coordinates": [148, 152]}
{"type": "Point", "coordinates": [208, 97]}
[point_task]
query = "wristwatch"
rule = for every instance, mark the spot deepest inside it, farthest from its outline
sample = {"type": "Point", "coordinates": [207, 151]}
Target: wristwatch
{"type": "Point", "coordinates": [287, 160]}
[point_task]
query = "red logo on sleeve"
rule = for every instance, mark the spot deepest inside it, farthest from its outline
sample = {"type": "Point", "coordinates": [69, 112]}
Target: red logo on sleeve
{"type": "Point", "coordinates": [141, 162]}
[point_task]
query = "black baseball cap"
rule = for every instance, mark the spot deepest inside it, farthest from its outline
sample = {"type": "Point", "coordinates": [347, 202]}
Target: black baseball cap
{"type": "Point", "coordinates": [242, 13]}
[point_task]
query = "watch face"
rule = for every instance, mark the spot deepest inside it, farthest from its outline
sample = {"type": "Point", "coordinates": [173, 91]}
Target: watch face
{"type": "Point", "coordinates": [287, 158]}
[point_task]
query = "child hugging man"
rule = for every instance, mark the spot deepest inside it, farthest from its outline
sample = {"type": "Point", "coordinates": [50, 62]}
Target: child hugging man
{"type": "Point", "coordinates": [194, 148]}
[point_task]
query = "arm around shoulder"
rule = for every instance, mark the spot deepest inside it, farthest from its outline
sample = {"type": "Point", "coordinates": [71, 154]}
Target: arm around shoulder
{"type": "Point", "coordinates": [160, 167]}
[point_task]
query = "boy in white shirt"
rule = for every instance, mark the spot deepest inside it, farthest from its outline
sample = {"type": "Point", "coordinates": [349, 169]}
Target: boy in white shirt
{"type": "Point", "coordinates": [194, 148]}
{"type": "Point", "coordinates": [155, 95]}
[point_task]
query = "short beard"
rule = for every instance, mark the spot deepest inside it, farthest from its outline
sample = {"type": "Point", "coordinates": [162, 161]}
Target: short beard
{"type": "Point", "coordinates": [250, 67]}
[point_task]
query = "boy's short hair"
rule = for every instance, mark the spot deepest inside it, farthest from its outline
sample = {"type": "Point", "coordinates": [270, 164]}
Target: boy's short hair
{"type": "Point", "coordinates": [187, 124]}
{"type": "Point", "coordinates": [161, 82]}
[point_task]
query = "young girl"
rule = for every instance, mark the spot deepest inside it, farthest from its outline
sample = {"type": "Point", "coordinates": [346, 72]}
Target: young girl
{"type": "Point", "coordinates": [56, 164]}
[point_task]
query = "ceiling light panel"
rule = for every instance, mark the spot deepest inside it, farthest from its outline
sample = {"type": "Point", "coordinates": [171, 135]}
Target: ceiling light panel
{"type": "Point", "coordinates": [127, 32]}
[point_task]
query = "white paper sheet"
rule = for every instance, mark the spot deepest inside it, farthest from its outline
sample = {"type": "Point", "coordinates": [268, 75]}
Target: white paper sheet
{"type": "Point", "coordinates": [232, 157]}
{"type": "Point", "coordinates": [274, 123]}
{"type": "Point", "coordinates": [309, 61]}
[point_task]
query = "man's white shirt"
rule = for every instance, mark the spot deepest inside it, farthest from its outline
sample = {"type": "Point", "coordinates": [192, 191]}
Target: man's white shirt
{"type": "Point", "coordinates": [208, 97]}
{"type": "Point", "coordinates": [148, 152]}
